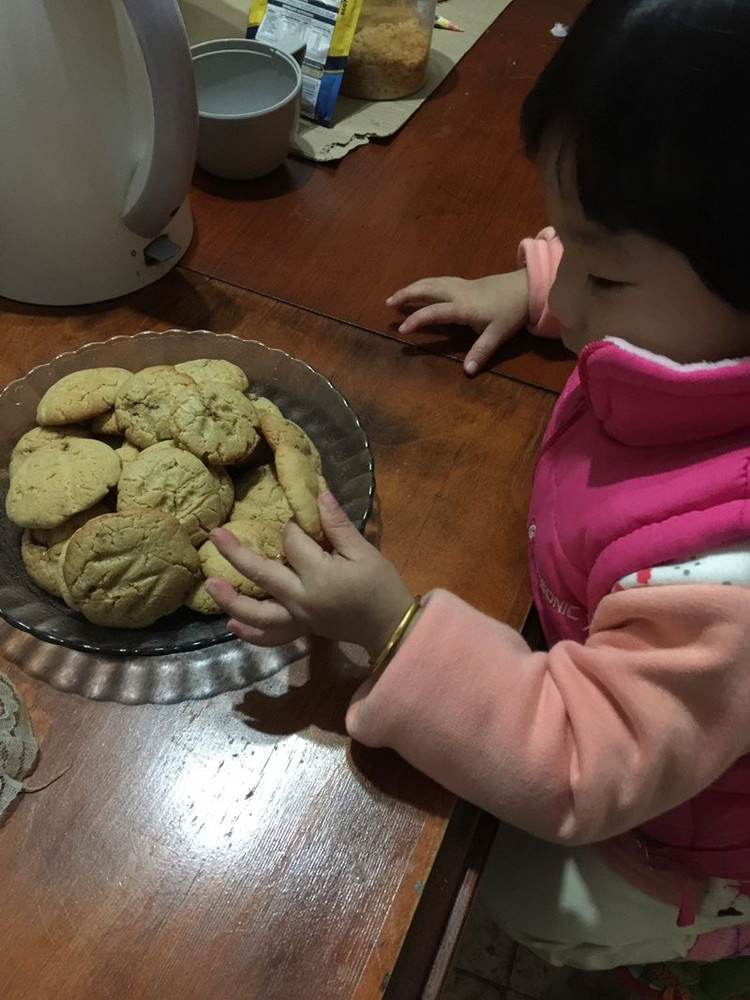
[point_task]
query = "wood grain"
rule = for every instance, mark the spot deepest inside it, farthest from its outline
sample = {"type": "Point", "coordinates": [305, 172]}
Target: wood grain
{"type": "Point", "coordinates": [242, 847]}
{"type": "Point", "coordinates": [451, 193]}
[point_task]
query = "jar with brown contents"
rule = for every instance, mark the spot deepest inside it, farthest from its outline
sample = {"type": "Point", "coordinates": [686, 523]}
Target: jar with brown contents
{"type": "Point", "coordinates": [390, 49]}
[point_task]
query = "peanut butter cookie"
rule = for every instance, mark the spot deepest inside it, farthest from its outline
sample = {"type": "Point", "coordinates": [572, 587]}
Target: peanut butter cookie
{"type": "Point", "coordinates": [126, 570]}
{"type": "Point", "coordinates": [203, 370]}
{"type": "Point", "coordinates": [216, 423]}
{"type": "Point", "coordinates": [80, 395]}
{"type": "Point", "coordinates": [59, 480]}
{"type": "Point", "coordinates": [144, 402]}
{"type": "Point", "coordinates": [164, 477]}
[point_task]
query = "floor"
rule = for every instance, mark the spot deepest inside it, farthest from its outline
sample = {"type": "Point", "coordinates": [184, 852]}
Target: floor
{"type": "Point", "coordinates": [489, 966]}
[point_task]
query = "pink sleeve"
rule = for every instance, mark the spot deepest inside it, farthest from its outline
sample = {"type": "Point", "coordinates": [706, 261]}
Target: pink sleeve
{"type": "Point", "coordinates": [582, 742]}
{"type": "Point", "coordinates": [541, 257]}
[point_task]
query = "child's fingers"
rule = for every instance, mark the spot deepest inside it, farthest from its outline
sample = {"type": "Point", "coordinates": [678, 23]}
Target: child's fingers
{"type": "Point", "coordinates": [420, 293]}
{"type": "Point", "coordinates": [485, 346]}
{"type": "Point", "coordinates": [263, 614]}
{"type": "Point", "coordinates": [269, 574]}
{"type": "Point", "coordinates": [300, 550]}
{"type": "Point", "coordinates": [265, 637]}
{"type": "Point", "coordinates": [433, 315]}
{"type": "Point", "coordinates": [338, 529]}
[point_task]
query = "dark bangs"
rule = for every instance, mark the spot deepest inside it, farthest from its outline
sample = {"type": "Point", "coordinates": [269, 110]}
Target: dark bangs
{"type": "Point", "coordinates": [652, 98]}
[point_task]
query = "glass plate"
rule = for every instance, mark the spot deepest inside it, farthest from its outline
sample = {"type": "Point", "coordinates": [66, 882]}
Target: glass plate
{"type": "Point", "coordinates": [302, 393]}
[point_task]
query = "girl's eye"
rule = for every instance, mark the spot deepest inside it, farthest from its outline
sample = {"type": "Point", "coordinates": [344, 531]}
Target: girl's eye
{"type": "Point", "coordinates": [605, 284]}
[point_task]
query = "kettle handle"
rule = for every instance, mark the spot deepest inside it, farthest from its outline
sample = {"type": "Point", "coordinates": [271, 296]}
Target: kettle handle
{"type": "Point", "coordinates": [161, 181]}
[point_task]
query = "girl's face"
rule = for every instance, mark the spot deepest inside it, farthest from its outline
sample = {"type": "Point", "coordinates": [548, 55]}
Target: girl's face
{"type": "Point", "coordinates": [631, 286]}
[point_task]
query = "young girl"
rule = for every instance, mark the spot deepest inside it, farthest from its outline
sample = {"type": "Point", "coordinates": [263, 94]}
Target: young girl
{"type": "Point", "coordinates": [616, 759]}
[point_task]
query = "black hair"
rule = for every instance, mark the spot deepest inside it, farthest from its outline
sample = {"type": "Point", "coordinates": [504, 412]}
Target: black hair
{"type": "Point", "coordinates": [651, 99]}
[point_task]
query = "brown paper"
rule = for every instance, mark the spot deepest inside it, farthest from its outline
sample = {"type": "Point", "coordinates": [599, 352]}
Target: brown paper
{"type": "Point", "coordinates": [356, 122]}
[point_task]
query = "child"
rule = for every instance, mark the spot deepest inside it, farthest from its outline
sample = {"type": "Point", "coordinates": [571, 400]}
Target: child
{"type": "Point", "coordinates": [616, 759]}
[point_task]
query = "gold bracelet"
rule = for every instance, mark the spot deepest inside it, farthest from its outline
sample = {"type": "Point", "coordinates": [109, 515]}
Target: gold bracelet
{"type": "Point", "coordinates": [396, 635]}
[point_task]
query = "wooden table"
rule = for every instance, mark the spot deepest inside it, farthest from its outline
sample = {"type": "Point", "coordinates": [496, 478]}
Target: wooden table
{"type": "Point", "coordinates": [241, 847]}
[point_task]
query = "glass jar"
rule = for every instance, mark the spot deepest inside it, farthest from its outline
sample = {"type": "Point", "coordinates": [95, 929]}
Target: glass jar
{"type": "Point", "coordinates": [390, 49]}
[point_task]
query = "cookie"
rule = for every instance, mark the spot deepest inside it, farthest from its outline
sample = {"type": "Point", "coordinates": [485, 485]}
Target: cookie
{"type": "Point", "coordinates": [265, 539]}
{"type": "Point", "coordinates": [41, 563]}
{"type": "Point", "coordinates": [299, 480]}
{"type": "Point", "coordinates": [38, 437]}
{"type": "Point", "coordinates": [59, 480]}
{"type": "Point", "coordinates": [203, 370]}
{"type": "Point", "coordinates": [106, 423]}
{"type": "Point", "coordinates": [127, 452]}
{"type": "Point", "coordinates": [216, 423]}
{"type": "Point", "coordinates": [64, 589]}
{"type": "Point", "coordinates": [41, 548]}
{"type": "Point", "coordinates": [226, 490]}
{"type": "Point", "coordinates": [277, 429]}
{"type": "Point", "coordinates": [144, 402]}
{"type": "Point", "coordinates": [126, 570]}
{"type": "Point", "coordinates": [164, 477]}
{"type": "Point", "coordinates": [259, 497]}
{"type": "Point", "coordinates": [198, 599]}
{"type": "Point", "coordinates": [80, 395]}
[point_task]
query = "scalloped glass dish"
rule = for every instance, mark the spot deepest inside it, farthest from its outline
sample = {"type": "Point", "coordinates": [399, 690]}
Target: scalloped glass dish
{"type": "Point", "coordinates": [302, 393]}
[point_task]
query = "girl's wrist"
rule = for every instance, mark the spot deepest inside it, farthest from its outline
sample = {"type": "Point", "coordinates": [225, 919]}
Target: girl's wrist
{"type": "Point", "coordinates": [396, 636]}
{"type": "Point", "coordinates": [389, 615]}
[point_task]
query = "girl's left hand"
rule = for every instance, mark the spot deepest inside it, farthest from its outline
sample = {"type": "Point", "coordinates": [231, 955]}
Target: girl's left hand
{"type": "Point", "coordinates": [352, 594]}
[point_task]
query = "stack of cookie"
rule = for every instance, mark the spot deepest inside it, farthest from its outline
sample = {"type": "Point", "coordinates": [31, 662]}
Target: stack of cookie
{"type": "Point", "coordinates": [119, 485]}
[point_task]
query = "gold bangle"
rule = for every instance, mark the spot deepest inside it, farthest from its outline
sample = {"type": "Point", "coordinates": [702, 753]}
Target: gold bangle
{"type": "Point", "coordinates": [396, 635]}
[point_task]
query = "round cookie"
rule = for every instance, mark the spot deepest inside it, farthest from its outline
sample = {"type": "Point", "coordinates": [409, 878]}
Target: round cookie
{"type": "Point", "coordinates": [226, 489]}
{"type": "Point", "coordinates": [41, 563]}
{"type": "Point", "coordinates": [265, 539]}
{"type": "Point", "coordinates": [144, 402]}
{"type": "Point", "coordinates": [80, 395]}
{"type": "Point", "coordinates": [106, 423]}
{"type": "Point", "coordinates": [126, 570]}
{"type": "Point", "coordinates": [198, 599]}
{"type": "Point", "coordinates": [259, 496]}
{"type": "Point", "coordinates": [277, 429]}
{"type": "Point", "coordinates": [216, 423]}
{"type": "Point", "coordinates": [300, 482]}
{"type": "Point", "coordinates": [38, 437]}
{"type": "Point", "coordinates": [59, 480]}
{"type": "Point", "coordinates": [41, 548]}
{"type": "Point", "coordinates": [64, 589]}
{"type": "Point", "coordinates": [164, 477]}
{"type": "Point", "coordinates": [203, 370]}
{"type": "Point", "coordinates": [127, 452]}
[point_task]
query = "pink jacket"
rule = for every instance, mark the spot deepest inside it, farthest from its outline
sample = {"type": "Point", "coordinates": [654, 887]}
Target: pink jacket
{"type": "Point", "coordinates": [643, 700]}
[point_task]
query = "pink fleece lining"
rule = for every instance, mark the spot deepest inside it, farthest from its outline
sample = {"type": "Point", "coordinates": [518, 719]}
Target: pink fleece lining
{"type": "Point", "coordinates": [586, 741]}
{"type": "Point", "coordinates": [541, 257]}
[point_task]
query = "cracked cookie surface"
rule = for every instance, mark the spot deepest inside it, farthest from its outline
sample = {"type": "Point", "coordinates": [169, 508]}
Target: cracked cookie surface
{"type": "Point", "coordinates": [126, 570]}
{"type": "Point", "coordinates": [216, 423]}
{"type": "Point", "coordinates": [59, 480]}
{"type": "Point", "coordinates": [144, 403]}
{"type": "Point", "coordinates": [80, 395]}
{"type": "Point", "coordinates": [203, 370]}
{"type": "Point", "coordinates": [164, 477]}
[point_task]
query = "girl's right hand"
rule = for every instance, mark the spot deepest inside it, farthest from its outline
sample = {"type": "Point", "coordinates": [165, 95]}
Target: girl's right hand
{"type": "Point", "coordinates": [494, 307]}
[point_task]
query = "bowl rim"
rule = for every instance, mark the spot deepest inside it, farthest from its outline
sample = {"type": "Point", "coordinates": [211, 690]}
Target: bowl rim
{"type": "Point", "coordinates": [226, 636]}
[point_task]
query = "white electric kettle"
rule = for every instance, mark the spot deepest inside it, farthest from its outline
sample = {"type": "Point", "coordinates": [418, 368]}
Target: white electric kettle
{"type": "Point", "coordinates": [98, 133]}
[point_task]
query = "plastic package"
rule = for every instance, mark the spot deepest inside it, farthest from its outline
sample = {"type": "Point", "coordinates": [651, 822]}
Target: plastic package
{"type": "Point", "coordinates": [390, 50]}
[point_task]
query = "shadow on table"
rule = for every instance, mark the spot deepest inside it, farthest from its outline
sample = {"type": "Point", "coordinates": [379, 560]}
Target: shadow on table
{"type": "Point", "coordinates": [292, 174]}
{"type": "Point", "coordinates": [174, 299]}
{"type": "Point", "coordinates": [455, 341]}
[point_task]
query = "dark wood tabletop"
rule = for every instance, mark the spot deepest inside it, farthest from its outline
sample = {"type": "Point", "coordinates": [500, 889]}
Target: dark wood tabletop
{"type": "Point", "coordinates": [241, 847]}
{"type": "Point", "coordinates": [452, 193]}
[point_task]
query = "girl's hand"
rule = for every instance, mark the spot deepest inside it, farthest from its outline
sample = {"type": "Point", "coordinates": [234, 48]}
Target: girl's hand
{"type": "Point", "coordinates": [494, 307]}
{"type": "Point", "coordinates": [352, 594]}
